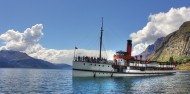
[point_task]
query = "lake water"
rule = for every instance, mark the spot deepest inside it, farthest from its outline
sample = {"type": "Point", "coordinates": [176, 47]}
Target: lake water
{"type": "Point", "coordinates": [50, 81]}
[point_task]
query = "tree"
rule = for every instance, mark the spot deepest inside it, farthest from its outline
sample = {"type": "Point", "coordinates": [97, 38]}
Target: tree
{"type": "Point", "coordinates": [171, 60]}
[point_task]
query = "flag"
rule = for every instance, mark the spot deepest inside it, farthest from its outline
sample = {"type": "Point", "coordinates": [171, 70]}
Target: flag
{"type": "Point", "coordinates": [76, 47]}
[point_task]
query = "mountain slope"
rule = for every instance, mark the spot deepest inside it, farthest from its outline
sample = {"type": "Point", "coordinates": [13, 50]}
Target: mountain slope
{"type": "Point", "coordinates": [151, 48]}
{"type": "Point", "coordinates": [176, 45]}
{"type": "Point", "coordinates": [15, 59]}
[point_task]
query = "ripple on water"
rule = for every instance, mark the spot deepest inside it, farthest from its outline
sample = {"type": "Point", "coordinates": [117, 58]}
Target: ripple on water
{"type": "Point", "coordinates": [43, 81]}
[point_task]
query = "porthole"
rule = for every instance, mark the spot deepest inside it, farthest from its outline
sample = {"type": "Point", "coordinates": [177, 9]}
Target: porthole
{"type": "Point", "coordinates": [102, 65]}
{"type": "Point", "coordinates": [95, 65]}
{"type": "Point", "coordinates": [90, 64]}
{"type": "Point", "coordinates": [108, 66]}
{"type": "Point", "coordinates": [84, 63]}
{"type": "Point", "coordinates": [99, 65]}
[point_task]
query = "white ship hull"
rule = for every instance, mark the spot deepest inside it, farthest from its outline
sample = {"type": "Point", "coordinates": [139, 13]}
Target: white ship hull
{"type": "Point", "coordinates": [86, 69]}
{"type": "Point", "coordinates": [79, 73]}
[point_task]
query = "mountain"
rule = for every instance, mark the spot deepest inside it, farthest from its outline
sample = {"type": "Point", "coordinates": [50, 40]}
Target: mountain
{"type": "Point", "coordinates": [63, 66]}
{"type": "Point", "coordinates": [15, 59]}
{"type": "Point", "coordinates": [176, 45]}
{"type": "Point", "coordinates": [151, 48]}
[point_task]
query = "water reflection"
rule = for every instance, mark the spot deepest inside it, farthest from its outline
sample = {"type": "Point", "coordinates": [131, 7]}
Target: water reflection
{"type": "Point", "coordinates": [35, 81]}
{"type": "Point", "coordinates": [141, 85]}
{"type": "Point", "coordinates": [104, 85]}
{"type": "Point", "coordinates": [47, 81]}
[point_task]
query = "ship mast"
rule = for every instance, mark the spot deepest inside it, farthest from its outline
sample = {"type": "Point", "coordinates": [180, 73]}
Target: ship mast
{"type": "Point", "coordinates": [101, 39]}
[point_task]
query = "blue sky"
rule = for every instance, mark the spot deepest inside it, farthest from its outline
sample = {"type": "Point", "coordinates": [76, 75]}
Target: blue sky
{"type": "Point", "coordinates": [77, 22]}
{"type": "Point", "coordinates": [69, 23]}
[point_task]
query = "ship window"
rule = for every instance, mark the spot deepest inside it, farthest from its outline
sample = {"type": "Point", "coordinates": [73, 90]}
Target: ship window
{"type": "Point", "coordinates": [102, 65]}
{"type": "Point", "coordinates": [90, 64]}
{"type": "Point", "coordinates": [95, 65]}
{"type": "Point", "coordinates": [108, 66]}
{"type": "Point", "coordinates": [84, 63]}
{"type": "Point", "coordinates": [99, 65]}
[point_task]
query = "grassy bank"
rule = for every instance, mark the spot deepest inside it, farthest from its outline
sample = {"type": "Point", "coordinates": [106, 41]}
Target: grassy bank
{"type": "Point", "coordinates": [184, 67]}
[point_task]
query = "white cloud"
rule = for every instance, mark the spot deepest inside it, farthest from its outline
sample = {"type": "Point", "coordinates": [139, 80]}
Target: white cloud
{"type": "Point", "coordinates": [139, 48]}
{"type": "Point", "coordinates": [28, 42]}
{"type": "Point", "coordinates": [66, 56]}
{"type": "Point", "coordinates": [15, 40]}
{"type": "Point", "coordinates": [159, 25]}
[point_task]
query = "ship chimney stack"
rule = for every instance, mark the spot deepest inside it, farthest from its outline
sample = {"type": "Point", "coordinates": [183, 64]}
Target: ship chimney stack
{"type": "Point", "coordinates": [136, 57]}
{"type": "Point", "coordinates": [140, 57]}
{"type": "Point", "coordinates": [129, 48]}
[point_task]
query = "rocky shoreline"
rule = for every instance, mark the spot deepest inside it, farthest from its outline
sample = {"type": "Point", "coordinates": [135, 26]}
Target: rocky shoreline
{"type": "Point", "coordinates": [183, 67]}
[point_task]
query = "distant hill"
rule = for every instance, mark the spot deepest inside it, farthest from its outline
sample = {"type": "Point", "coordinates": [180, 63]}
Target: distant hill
{"type": "Point", "coordinates": [63, 66]}
{"type": "Point", "coordinates": [176, 45]}
{"type": "Point", "coordinates": [151, 48]}
{"type": "Point", "coordinates": [16, 59]}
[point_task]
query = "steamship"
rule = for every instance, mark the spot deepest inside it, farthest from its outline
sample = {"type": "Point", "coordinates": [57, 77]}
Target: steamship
{"type": "Point", "coordinates": [123, 65]}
